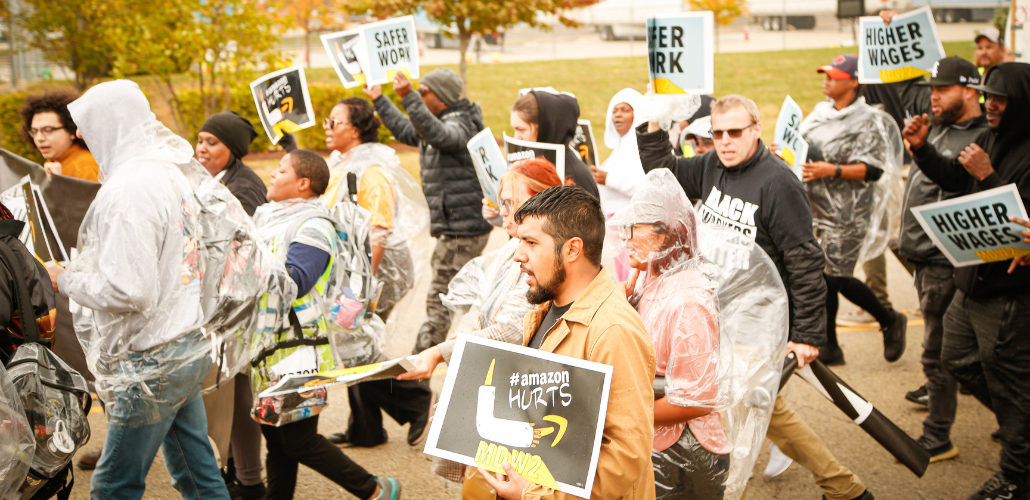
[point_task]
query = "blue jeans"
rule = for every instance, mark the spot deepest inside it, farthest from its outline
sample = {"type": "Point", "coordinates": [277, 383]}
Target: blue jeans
{"type": "Point", "coordinates": [129, 449]}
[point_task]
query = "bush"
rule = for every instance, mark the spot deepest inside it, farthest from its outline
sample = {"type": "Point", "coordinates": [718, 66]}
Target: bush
{"type": "Point", "coordinates": [323, 98]}
{"type": "Point", "coordinates": [11, 125]}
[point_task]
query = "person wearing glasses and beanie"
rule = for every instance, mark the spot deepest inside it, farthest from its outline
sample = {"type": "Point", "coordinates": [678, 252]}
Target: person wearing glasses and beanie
{"type": "Point", "coordinates": [50, 128]}
{"type": "Point", "coordinates": [742, 185]}
{"type": "Point", "coordinates": [440, 122]}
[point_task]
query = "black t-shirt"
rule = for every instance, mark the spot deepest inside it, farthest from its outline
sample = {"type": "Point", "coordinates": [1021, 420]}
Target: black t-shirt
{"type": "Point", "coordinates": [553, 314]}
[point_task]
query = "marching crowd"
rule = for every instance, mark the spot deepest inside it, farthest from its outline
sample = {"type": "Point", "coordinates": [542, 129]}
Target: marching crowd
{"type": "Point", "coordinates": [656, 316]}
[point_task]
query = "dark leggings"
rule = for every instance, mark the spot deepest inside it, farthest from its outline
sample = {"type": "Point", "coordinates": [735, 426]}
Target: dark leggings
{"type": "Point", "coordinates": [300, 443]}
{"type": "Point", "coordinates": [860, 295]}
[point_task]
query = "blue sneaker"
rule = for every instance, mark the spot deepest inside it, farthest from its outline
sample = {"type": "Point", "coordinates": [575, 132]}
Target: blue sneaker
{"type": "Point", "coordinates": [389, 489]}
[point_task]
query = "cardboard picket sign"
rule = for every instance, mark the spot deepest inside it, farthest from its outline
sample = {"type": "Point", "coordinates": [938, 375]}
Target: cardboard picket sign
{"type": "Point", "coordinates": [541, 412]}
{"type": "Point", "coordinates": [490, 164]}
{"type": "Point", "coordinates": [40, 236]}
{"type": "Point", "coordinates": [516, 150]}
{"type": "Point", "coordinates": [342, 50]}
{"type": "Point", "coordinates": [975, 229]}
{"type": "Point", "coordinates": [308, 382]}
{"type": "Point", "coordinates": [583, 143]}
{"type": "Point", "coordinates": [681, 53]}
{"type": "Point", "coordinates": [787, 137]}
{"type": "Point", "coordinates": [283, 103]}
{"type": "Point", "coordinates": [906, 48]}
{"type": "Point", "coordinates": [386, 47]}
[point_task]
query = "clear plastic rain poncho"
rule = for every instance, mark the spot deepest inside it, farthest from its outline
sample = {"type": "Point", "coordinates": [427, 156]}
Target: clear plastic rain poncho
{"type": "Point", "coordinates": [17, 445]}
{"type": "Point", "coordinates": [848, 215]}
{"type": "Point", "coordinates": [149, 317]}
{"type": "Point", "coordinates": [343, 311]}
{"type": "Point", "coordinates": [717, 312]}
{"type": "Point", "coordinates": [491, 290]}
{"type": "Point", "coordinates": [407, 243]}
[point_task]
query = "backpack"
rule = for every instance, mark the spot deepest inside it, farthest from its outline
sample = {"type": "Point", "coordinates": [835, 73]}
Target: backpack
{"type": "Point", "coordinates": [54, 396]}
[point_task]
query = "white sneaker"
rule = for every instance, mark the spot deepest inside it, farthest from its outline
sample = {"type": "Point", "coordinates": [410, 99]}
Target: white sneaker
{"type": "Point", "coordinates": [778, 462]}
{"type": "Point", "coordinates": [858, 318]}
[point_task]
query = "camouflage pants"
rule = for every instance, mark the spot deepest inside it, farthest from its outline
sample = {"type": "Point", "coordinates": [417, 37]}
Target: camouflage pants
{"type": "Point", "coordinates": [449, 256]}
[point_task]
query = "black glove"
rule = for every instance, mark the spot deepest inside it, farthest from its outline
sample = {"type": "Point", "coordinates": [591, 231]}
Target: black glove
{"type": "Point", "coordinates": [288, 142]}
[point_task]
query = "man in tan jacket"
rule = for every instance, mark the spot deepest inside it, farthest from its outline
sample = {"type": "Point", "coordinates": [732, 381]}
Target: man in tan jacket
{"type": "Point", "coordinates": [582, 315]}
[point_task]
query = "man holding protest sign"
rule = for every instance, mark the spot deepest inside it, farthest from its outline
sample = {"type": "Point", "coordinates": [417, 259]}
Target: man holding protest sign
{"type": "Point", "coordinates": [957, 121]}
{"type": "Point", "coordinates": [985, 343]}
{"type": "Point", "coordinates": [440, 122]}
{"type": "Point", "coordinates": [562, 232]}
{"type": "Point", "coordinates": [744, 186]}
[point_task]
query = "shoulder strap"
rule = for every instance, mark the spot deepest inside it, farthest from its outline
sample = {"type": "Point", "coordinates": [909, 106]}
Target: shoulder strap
{"type": "Point", "coordinates": [26, 313]}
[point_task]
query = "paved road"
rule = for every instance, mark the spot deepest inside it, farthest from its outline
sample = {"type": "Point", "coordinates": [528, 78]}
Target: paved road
{"type": "Point", "coordinates": [866, 371]}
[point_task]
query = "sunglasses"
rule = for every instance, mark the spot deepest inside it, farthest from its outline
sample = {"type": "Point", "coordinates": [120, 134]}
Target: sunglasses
{"type": "Point", "coordinates": [423, 91]}
{"type": "Point", "coordinates": [734, 133]}
{"type": "Point", "coordinates": [331, 123]}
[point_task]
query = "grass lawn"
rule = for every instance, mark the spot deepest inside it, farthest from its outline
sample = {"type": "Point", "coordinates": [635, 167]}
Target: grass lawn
{"type": "Point", "coordinates": [766, 77]}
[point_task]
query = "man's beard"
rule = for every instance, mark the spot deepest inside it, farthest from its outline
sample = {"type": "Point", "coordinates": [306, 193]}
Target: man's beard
{"type": "Point", "coordinates": [544, 292]}
{"type": "Point", "coordinates": [947, 116]}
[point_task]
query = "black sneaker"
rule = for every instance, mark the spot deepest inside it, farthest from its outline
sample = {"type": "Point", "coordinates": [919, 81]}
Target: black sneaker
{"type": "Point", "coordinates": [1000, 488]}
{"type": "Point", "coordinates": [238, 491]}
{"type": "Point", "coordinates": [996, 436]}
{"type": "Point", "coordinates": [894, 337]}
{"type": "Point", "coordinates": [831, 357]}
{"type": "Point", "coordinates": [389, 489]}
{"type": "Point", "coordinates": [945, 451]}
{"type": "Point", "coordinates": [420, 427]}
{"type": "Point", "coordinates": [340, 439]}
{"type": "Point", "coordinates": [919, 396]}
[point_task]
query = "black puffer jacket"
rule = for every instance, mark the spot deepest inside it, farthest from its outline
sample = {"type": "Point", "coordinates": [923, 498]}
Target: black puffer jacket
{"type": "Point", "coordinates": [13, 324]}
{"type": "Point", "coordinates": [448, 176]}
{"type": "Point", "coordinates": [558, 115]}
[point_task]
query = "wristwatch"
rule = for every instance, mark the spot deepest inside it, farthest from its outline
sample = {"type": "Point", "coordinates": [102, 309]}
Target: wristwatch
{"type": "Point", "coordinates": [837, 173]}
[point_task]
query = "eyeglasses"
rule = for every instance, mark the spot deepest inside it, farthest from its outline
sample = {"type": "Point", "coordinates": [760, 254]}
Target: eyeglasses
{"type": "Point", "coordinates": [332, 123]}
{"type": "Point", "coordinates": [423, 90]}
{"type": "Point", "coordinates": [46, 131]}
{"type": "Point", "coordinates": [734, 133]}
{"type": "Point", "coordinates": [507, 206]}
{"type": "Point", "coordinates": [626, 230]}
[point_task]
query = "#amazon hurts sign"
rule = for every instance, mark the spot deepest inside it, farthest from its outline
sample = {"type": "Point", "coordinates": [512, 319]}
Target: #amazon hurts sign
{"type": "Point", "coordinates": [906, 48]}
{"type": "Point", "coordinates": [542, 413]}
{"type": "Point", "coordinates": [282, 102]}
{"type": "Point", "coordinates": [680, 53]}
{"type": "Point", "coordinates": [975, 229]}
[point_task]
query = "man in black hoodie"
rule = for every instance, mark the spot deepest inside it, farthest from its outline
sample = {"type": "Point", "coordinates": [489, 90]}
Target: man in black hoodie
{"type": "Point", "coordinates": [745, 187]}
{"type": "Point", "coordinates": [957, 120]}
{"type": "Point", "coordinates": [440, 122]}
{"type": "Point", "coordinates": [986, 345]}
{"type": "Point", "coordinates": [548, 116]}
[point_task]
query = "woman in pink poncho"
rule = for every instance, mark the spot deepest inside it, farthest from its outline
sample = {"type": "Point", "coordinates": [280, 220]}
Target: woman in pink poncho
{"type": "Point", "coordinates": [678, 305]}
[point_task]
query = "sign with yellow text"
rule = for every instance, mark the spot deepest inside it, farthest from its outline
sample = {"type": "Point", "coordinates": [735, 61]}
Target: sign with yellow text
{"type": "Point", "coordinates": [543, 413]}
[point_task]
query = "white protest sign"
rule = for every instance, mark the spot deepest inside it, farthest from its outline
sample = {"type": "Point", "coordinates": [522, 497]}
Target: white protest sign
{"type": "Point", "coordinates": [516, 150]}
{"type": "Point", "coordinates": [975, 229]}
{"type": "Point", "coordinates": [283, 103]}
{"type": "Point", "coordinates": [489, 162]}
{"type": "Point", "coordinates": [541, 412]}
{"type": "Point", "coordinates": [340, 47]}
{"type": "Point", "coordinates": [386, 47]}
{"type": "Point", "coordinates": [906, 48]}
{"type": "Point", "coordinates": [787, 139]}
{"type": "Point", "coordinates": [681, 53]}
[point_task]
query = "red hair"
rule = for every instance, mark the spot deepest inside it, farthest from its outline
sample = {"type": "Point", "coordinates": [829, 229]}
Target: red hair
{"type": "Point", "coordinates": [537, 175]}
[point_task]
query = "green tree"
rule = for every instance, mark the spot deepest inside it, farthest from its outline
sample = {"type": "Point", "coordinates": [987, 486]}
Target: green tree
{"type": "Point", "coordinates": [482, 17]}
{"type": "Point", "coordinates": [724, 12]}
{"type": "Point", "coordinates": [313, 16]}
{"type": "Point", "coordinates": [212, 42]}
{"type": "Point", "coordinates": [72, 33]}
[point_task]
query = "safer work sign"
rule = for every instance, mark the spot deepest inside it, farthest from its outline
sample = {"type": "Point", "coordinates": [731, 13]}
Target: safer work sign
{"type": "Point", "coordinates": [681, 53]}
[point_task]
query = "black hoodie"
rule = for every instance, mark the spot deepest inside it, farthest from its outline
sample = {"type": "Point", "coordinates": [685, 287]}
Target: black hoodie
{"type": "Point", "coordinates": [558, 116]}
{"type": "Point", "coordinates": [1009, 149]}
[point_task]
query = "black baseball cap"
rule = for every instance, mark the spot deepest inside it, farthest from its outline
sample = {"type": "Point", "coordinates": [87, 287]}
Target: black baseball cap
{"type": "Point", "coordinates": [993, 83]}
{"type": "Point", "coordinates": [952, 71]}
{"type": "Point", "coordinates": [843, 67]}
